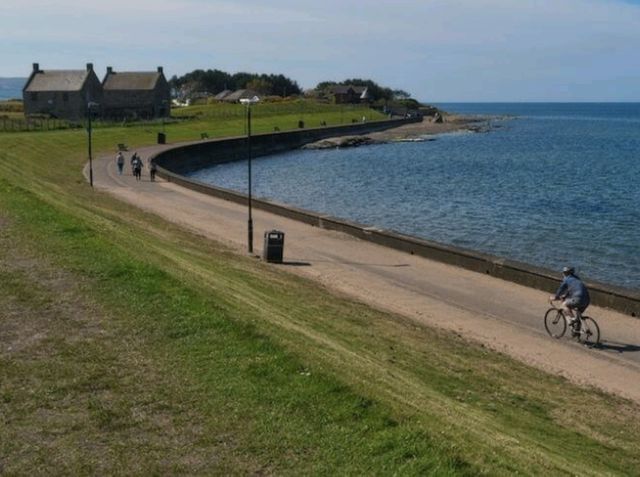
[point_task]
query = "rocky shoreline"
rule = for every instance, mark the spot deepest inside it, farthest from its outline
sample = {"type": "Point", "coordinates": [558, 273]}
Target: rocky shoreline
{"type": "Point", "coordinates": [426, 130]}
{"type": "Point", "coordinates": [342, 142]}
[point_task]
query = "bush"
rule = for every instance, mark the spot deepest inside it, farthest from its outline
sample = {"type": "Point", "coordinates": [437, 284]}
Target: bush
{"type": "Point", "coordinates": [11, 106]}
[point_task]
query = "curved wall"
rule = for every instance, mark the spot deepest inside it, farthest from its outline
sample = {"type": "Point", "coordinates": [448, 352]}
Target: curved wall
{"type": "Point", "coordinates": [174, 162]}
{"type": "Point", "coordinates": [183, 159]}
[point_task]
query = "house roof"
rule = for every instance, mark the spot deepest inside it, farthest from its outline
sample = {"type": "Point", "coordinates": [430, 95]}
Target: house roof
{"type": "Point", "coordinates": [131, 80]}
{"type": "Point", "coordinates": [240, 94]}
{"type": "Point", "coordinates": [222, 94]}
{"type": "Point", "coordinates": [57, 80]}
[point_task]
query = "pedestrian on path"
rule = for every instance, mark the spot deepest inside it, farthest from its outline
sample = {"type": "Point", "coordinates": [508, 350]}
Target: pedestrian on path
{"type": "Point", "coordinates": [137, 168]}
{"type": "Point", "coordinates": [133, 160]}
{"type": "Point", "coordinates": [120, 162]}
{"type": "Point", "coordinates": [152, 171]}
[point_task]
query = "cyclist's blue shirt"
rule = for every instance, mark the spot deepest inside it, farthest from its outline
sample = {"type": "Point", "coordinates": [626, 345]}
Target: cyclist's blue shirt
{"type": "Point", "coordinates": [572, 287]}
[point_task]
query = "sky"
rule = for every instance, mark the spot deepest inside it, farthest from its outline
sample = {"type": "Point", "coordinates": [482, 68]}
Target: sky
{"type": "Point", "coordinates": [438, 50]}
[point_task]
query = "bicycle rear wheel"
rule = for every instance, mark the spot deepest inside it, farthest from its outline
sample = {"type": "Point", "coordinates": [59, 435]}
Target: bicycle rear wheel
{"type": "Point", "coordinates": [554, 323]}
{"type": "Point", "coordinates": [590, 332]}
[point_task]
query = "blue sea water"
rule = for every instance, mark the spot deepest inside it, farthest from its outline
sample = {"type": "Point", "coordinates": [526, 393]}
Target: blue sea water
{"type": "Point", "coordinates": [11, 88]}
{"type": "Point", "coordinates": [556, 184]}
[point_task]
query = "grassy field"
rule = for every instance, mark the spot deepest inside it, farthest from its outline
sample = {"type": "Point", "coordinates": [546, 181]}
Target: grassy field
{"type": "Point", "coordinates": [128, 345]}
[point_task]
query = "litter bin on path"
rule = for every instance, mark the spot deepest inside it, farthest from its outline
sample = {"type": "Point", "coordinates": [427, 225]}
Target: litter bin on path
{"type": "Point", "coordinates": [273, 246]}
{"type": "Point", "coordinates": [162, 138]}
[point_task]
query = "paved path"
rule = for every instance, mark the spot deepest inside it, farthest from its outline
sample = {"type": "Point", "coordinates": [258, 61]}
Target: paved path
{"type": "Point", "coordinates": [502, 315]}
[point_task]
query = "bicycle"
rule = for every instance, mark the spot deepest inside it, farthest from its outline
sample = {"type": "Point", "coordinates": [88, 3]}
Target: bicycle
{"type": "Point", "coordinates": [556, 325]}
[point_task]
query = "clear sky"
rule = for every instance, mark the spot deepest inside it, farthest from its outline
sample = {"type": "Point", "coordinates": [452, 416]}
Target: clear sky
{"type": "Point", "coordinates": [438, 50]}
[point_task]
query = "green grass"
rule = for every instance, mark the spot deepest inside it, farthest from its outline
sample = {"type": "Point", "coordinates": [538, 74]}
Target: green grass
{"type": "Point", "coordinates": [298, 109]}
{"type": "Point", "coordinates": [128, 345]}
{"type": "Point", "coordinates": [10, 106]}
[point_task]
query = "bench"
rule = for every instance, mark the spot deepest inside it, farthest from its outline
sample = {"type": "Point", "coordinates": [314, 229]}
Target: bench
{"type": "Point", "coordinates": [122, 147]}
{"type": "Point", "coordinates": [204, 136]}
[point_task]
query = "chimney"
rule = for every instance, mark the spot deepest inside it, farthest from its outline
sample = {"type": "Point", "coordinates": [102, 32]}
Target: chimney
{"type": "Point", "coordinates": [89, 66]}
{"type": "Point", "coordinates": [109, 70]}
{"type": "Point", "coordinates": [36, 67]}
{"type": "Point", "coordinates": [159, 69]}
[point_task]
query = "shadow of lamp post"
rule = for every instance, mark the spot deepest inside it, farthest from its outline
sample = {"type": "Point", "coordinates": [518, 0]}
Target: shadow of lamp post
{"type": "Point", "coordinates": [90, 105]}
{"type": "Point", "coordinates": [248, 102]}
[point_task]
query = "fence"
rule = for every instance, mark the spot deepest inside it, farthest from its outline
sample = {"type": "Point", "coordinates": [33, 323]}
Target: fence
{"type": "Point", "coordinates": [34, 124]}
{"type": "Point", "coordinates": [48, 124]}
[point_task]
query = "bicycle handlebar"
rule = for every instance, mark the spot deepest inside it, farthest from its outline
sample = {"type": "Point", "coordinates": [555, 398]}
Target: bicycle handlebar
{"type": "Point", "coordinates": [551, 302]}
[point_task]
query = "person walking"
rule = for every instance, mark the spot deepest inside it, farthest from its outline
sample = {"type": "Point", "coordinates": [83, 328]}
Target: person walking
{"type": "Point", "coordinates": [137, 168]}
{"type": "Point", "coordinates": [120, 162]}
{"type": "Point", "coordinates": [152, 171]}
{"type": "Point", "coordinates": [134, 158]}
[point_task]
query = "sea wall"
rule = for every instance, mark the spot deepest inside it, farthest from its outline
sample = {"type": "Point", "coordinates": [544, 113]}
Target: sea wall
{"type": "Point", "coordinates": [191, 157]}
{"type": "Point", "coordinates": [175, 162]}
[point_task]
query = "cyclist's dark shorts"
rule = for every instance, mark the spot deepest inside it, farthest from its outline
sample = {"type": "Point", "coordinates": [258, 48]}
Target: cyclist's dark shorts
{"type": "Point", "coordinates": [575, 303]}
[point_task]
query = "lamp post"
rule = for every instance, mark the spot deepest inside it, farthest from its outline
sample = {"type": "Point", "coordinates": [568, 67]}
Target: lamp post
{"type": "Point", "coordinates": [165, 104]}
{"type": "Point", "coordinates": [248, 102]}
{"type": "Point", "coordinates": [90, 104]}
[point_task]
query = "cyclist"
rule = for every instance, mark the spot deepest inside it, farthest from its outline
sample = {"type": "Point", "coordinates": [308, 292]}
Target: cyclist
{"type": "Point", "coordinates": [574, 295]}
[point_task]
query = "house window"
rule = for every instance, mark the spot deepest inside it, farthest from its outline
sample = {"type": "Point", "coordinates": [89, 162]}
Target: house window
{"type": "Point", "coordinates": [65, 97]}
{"type": "Point", "coordinates": [34, 96]}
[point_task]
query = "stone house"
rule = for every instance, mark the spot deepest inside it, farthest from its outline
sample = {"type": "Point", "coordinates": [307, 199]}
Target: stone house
{"type": "Point", "coordinates": [61, 93]}
{"type": "Point", "coordinates": [222, 94]}
{"type": "Point", "coordinates": [348, 94]}
{"type": "Point", "coordinates": [141, 94]}
{"type": "Point", "coordinates": [239, 94]}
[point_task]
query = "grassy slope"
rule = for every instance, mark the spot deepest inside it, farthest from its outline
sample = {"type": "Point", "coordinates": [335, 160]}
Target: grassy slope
{"type": "Point", "coordinates": [137, 346]}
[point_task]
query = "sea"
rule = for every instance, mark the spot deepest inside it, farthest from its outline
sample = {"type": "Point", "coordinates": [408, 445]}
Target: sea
{"type": "Point", "coordinates": [11, 88]}
{"type": "Point", "coordinates": [549, 184]}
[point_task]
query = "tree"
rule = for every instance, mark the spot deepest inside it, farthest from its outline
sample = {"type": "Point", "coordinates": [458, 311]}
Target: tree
{"type": "Point", "coordinates": [241, 79]}
{"type": "Point", "coordinates": [260, 85]}
{"type": "Point", "coordinates": [376, 92]}
{"type": "Point", "coordinates": [400, 94]}
{"type": "Point", "coordinates": [215, 81]}
{"type": "Point", "coordinates": [210, 81]}
{"type": "Point", "coordinates": [283, 86]}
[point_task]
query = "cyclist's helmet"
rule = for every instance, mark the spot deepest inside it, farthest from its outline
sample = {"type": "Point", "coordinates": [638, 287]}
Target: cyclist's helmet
{"type": "Point", "coordinates": [568, 270]}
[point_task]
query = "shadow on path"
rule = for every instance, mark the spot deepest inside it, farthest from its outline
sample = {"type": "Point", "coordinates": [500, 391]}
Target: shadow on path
{"type": "Point", "coordinates": [347, 262]}
{"type": "Point", "coordinates": [618, 347]}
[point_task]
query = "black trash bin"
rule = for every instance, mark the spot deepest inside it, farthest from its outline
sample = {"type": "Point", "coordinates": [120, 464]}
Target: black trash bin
{"type": "Point", "coordinates": [301, 124]}
{"type": "Point", "coordinates": [162, 138]}
{"type": "Point", "coordinates": [273, 246]}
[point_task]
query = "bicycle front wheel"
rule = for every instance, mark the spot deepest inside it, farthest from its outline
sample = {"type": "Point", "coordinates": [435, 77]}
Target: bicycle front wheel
{"type": "Point", "coordinates": [590, 332]}
{"type": "Point", "coordinates": [554, 323]}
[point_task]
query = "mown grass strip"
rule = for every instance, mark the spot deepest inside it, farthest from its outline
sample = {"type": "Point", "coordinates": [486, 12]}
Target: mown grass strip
{"type": "Point", "coordinates": [295, 379]}
{"type": "Point", "coordinates": [244, 385]}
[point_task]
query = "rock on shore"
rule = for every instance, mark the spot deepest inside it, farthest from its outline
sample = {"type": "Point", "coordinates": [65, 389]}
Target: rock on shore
{"type": "Point", "coordinates": [426, 130]}
{"type": "Point", "coordinates": [342, 142]}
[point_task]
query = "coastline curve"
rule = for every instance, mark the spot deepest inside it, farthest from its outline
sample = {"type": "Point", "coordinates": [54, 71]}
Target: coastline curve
{"type": "Point", "coordinates": [174, 162]}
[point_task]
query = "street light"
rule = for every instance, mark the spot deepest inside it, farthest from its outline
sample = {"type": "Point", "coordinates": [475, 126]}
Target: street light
{"type": "Point", "coordinates": [90, 104]}
{"type": "Point", "coordinates": [248, 102]}
{"type": "Point", "coordinates": [165, 105]}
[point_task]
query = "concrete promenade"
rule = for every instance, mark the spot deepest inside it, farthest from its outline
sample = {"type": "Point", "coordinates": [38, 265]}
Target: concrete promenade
{"type": "Point", "coordinates": [502, 315]}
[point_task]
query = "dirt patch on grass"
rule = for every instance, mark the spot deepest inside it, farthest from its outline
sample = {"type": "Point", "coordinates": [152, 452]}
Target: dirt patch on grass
{"type": "Point", "coordinates": [78, 394]}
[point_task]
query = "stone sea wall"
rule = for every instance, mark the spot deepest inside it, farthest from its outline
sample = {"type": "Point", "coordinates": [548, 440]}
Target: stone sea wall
{"type": "Point", "coordinates": [194, 156]}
